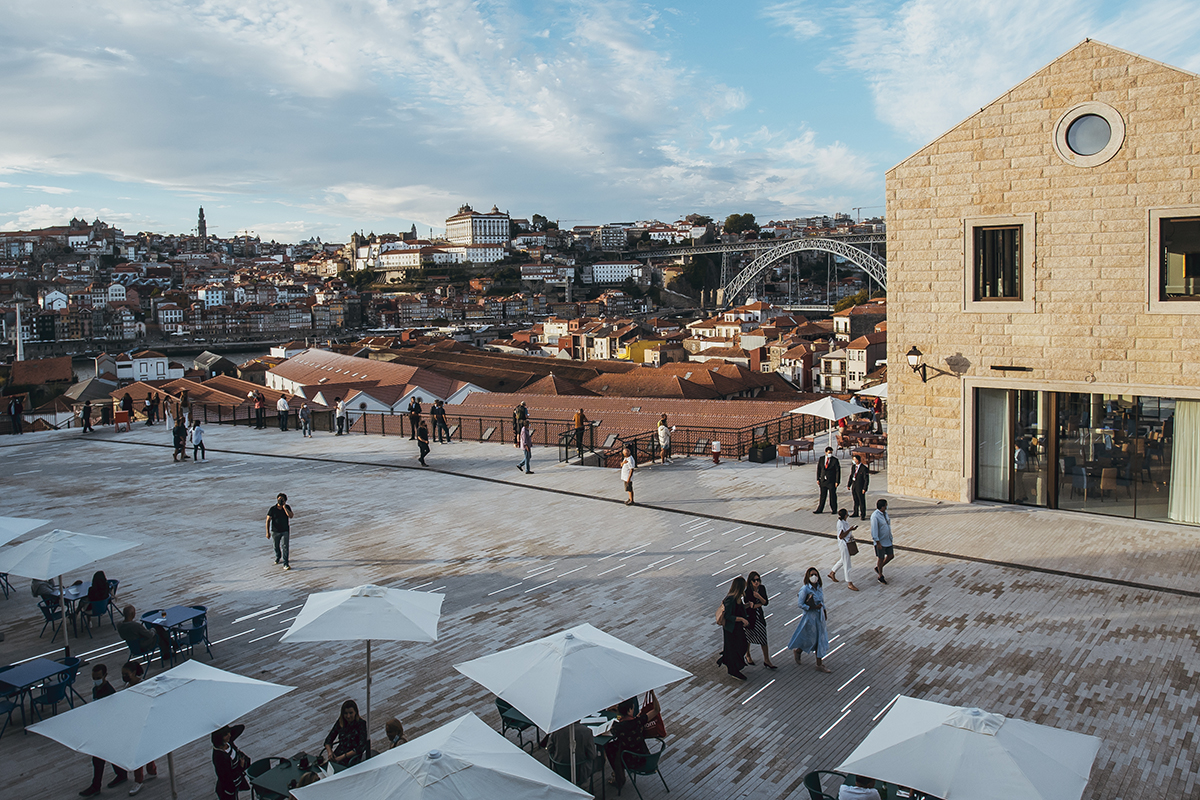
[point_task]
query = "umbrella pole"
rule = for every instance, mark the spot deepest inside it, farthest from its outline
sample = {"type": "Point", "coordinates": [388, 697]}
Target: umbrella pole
{"type": "Point", "coordinates": [573, 778]}
{"type": "Point", "coordinates": [171, 772]}
{"type": "Point", "coordinates": [368, 698]}
{"type": "Point", "coordinates": [62, 604]}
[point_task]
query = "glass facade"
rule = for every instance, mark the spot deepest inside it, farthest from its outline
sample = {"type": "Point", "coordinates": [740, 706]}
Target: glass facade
{"type": "Point", "coordinates": [1122, 455]}
{"type": "Point", "coordinates": [998, 263]}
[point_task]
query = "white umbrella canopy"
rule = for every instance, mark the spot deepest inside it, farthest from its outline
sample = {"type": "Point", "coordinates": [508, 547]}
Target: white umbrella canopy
{"type": "Point", "coordinates": [880, 391]}
{"type": "Point", "coordinates": [365, 613]}
{"type": "Point", "coordinates": [968, 754]}
{"type": "Point", "coordinates": [12, 527]}
{"type": "Point", "coordinates": [830, 408]}
{"type": "Point", "coordinates": [159, 715]}
{"type": "Point", "coordinates": [57, 552]}
{"type": "Point", "coordinates": [462, 760]}
{"type": "Point", "coordinates": [566, 676]}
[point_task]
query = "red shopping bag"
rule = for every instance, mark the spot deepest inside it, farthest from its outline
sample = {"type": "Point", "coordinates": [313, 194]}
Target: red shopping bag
{"type": "Point", "coordinates": [655, 728]}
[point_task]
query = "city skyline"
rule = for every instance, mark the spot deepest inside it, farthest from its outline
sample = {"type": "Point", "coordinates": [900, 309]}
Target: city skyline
{"type": "Point", "coordinates": [318, 118]}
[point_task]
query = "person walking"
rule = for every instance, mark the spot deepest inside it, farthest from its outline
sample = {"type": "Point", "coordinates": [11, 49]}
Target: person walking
{"type": "Point", "coordinates": [526, 442]}
{"type": "Point", "coordinates": [101, 688]}
{"type": "Point", "coordinates": [339, 414]}
{"type": "Point", "coordinates": [845, 537]}
{"type": "Point", "coordinates": [229, 762]}
{"type": "Point", "coordinates": [15, 409]}
{"type": "Point", "coordinates": [732, 618]}
{"type": "Point", "coordinates": [305, 417]}
{"type": "Point", "coordinates": [581, 422]}
{"type": "Point", "coordinates": [198, 442]}
{"type": "Point", "coordinates": [86, 416]}
{"type": "Point", "coordinates": [756, 600]}
{"type": "Point", "coordinates": [860, 479]}
{"type": "Point", "coordinates": [282, 408]}
{"type": "Point", "coordinates": [628, 465]}
{"type": "Point", "coordinates": [829, 475]}
{"type": "Point", "coordinates": [260, 411]}
{"type": "Point", "coordinates": [414, 416]}
{"type": "Point", "coordinates": [148, 410]}
{"type": "Point", "coordinates": [664, 439]}
{"type": "Point", "coordinates": [423, 441]}
{"type": "Point", "coordinates": [881, 535]}
{"type": "Point", "coordinates": [440, 428]}
{"type": "Point", "coordinates": [179, 435]}
{"type": "Point", "coordinates": [520, 414]}
{"type": "Point", "coordinates": [279, 528]}
{"type": "Point", "coordinates": [812, 633]}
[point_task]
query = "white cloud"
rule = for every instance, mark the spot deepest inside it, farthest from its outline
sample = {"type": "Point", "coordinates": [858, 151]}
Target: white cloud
{"type": "Point", "coordinates": [794, 16]}
{"type": "Point", "coordinates": [45, 215]}
{"type": "Point", "coordinates": [50, 189]}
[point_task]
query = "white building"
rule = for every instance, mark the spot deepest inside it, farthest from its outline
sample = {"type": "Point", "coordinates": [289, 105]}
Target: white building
{"type": "Point", "coordinates": [472, 227]}
{"type": "Point", "coordinates": [618, 271]}
{"type": "Point", "coordinates": [476, 253]}
{"type": "Point", "coordinates": [213, 295]}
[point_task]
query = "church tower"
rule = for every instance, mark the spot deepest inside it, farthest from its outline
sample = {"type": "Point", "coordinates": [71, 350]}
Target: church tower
{"type": "Point", "coordinates": [202, 231]}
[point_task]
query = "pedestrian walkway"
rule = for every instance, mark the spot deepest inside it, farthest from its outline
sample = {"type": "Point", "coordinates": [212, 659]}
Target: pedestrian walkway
{"type": "Point", "coordinates": [1012, 610]}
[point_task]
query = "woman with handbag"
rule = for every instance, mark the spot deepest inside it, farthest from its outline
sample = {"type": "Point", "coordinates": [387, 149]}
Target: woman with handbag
{"type": "Point", "coordinates": [812, 633]}
{"type": "Point", "coordinates": [756, 632]}
{"type": "Point", "coordinates": [732, 618]}
{"type": "Point", "coordinates": [229, 762]}
{"type": "Point", "coordinates": [847, 547]}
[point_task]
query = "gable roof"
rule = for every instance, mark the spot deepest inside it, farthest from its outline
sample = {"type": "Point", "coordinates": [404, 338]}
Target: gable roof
{"type": "Point", "coordinates": [40, 371]}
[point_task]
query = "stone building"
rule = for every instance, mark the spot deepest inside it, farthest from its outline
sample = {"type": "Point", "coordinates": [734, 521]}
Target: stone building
{"type": "Point", "coordinates": [1044, 260]}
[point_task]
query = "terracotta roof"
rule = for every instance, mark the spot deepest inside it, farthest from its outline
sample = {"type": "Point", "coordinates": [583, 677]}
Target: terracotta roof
{"type": "Point", "coordinates": [648, 383]}
{"type": "Point", "coordinates": [553, 384]}
{"type": "Point", "coordinates": [41, 371]}
{"type": "Point", "coordinates": [148, 354]}
{"type": "Point", "coordinates": [864, 341]}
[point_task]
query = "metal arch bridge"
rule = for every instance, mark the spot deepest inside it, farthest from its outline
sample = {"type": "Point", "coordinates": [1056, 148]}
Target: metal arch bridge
{"type": "Point", "coordinates": [868, 263]}
{"type": "Point", "coordinates": [848, 247]}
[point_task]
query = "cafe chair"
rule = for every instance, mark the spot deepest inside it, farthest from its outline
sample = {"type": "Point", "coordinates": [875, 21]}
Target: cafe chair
{"type": "Point", "coordinates": [53, 617]}
{"type": "Point", "coordinates": [72, 664]}
{"type": "Point", "coordinates": [513, 720]}
{"type": "Point", "coordinates": [583, 769]}
{"type": "Point", "coordinates": [53, 692]}
{"type": "Point", "coordinates": [96, 609]}
{"type": "Point", "coordinates": [642, 764]}
{"type": "Point", "coordinates": [198, 633]}
{"type": "Point", "coordinates": [812, 782]}
{"type": "Point", "coordinates": [10, 702]}
{"type": "Point", "coordinates": [5, 586]}
{"type": "Point", "coordinates": [261, 766]}
{"type": "Point", "coordinates": [113, 583]}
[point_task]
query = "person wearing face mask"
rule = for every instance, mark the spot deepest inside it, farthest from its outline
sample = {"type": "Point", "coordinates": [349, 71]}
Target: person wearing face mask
{"type": "Point", "coordinates": [101, 688]}
{"type": "Point", "coordinates": [812, 633]}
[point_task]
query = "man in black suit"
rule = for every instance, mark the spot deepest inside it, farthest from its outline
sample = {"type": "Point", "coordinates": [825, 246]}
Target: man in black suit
{"type": "Point", "coordinates": [829, 475]}
{"type": "Point", "coordinates": [860, 478]}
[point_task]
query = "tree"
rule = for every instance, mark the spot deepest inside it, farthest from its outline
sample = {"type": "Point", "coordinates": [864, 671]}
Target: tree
{"type": "Point", "coordinates": [538, 222]}
{"type": "Point", "coordinates": [359, 279]}
{"type": "Point", "coordinates": [698, 220]}
{"type": "Point", "coordinates": [740, 223]}
{"type": "Point", "coordinates": [852, 300]}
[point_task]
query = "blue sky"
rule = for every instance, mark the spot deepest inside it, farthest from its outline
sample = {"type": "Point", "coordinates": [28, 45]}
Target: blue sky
{"type": "Point", "coordinates": [298, 118]}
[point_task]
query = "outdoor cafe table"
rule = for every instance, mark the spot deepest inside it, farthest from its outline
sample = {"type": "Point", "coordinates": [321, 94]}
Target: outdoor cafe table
{"type": "Point", "coordinates": [23, 677]}
{"type": "Point", "coordinates": [170, 619]}
{"type": "Point", "coordinates": [279, 778]}
{"type": "Point", "coordinates": [71, 597]}
{"type": "Point", "coordinates": [870, 454]}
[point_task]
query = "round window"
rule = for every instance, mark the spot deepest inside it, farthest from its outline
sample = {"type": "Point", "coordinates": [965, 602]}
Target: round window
{"type": "Point", "coordinates": [1089, 135]}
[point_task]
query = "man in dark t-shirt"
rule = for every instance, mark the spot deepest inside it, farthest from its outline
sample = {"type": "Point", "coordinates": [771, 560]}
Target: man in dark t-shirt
{"type": "Point", "coordinates": [279, 529]}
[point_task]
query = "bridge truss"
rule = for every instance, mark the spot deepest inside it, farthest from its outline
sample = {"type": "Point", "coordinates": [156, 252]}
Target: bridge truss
{"type": "Point", "coordinates": [750, 275]}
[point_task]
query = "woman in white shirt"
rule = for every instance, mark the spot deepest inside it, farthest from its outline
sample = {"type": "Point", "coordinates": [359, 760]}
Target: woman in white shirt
{"type": "Point", "coordinates": [844, 537]}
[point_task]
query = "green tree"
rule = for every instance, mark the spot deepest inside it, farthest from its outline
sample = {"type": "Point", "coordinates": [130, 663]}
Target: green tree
{"type": "Point", "coordinates": [359, 279]}
{"type": "Point", "coordinates": [740, 223]}
{"type": "Point", "coordinates": [852, 300]}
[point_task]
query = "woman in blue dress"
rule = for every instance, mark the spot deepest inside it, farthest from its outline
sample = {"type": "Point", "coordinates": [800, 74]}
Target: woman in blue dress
{"type": "Point", "coordinates": [811, 633]}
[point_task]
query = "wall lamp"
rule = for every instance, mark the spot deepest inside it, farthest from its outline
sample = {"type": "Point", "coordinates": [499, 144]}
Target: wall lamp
{"type": "Point", "coordinates": [915, 360]}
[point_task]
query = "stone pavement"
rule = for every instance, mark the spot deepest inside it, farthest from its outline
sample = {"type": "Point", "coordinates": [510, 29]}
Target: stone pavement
{"type": "Point", "coordinates": [1077, 621]}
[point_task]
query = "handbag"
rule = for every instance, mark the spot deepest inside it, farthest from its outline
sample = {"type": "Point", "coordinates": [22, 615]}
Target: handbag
{"type": "Point", "coordinates": [655, 728]}
{"type": "Point", "coordinates": [852, 547]}
{"type": "Point", "coordinates": [721, 615]}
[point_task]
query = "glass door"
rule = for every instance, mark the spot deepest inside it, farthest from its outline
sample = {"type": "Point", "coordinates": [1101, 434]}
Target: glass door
{"type": "Point", "coordinates": [993, 446]}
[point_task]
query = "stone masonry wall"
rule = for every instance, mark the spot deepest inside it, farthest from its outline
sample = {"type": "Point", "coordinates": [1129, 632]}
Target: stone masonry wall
{"type": "Point", "coordinates": [1091, 322]}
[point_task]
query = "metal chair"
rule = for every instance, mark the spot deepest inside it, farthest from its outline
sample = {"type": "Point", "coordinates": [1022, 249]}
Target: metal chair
{"type": "Point", "coordinates": [812, 782]}
{"type": "Point", "coordinates": [53, 617]}
{"type": "Point", "coordinates": [644, 764]}
{"type": "Point", "coordinates": [73, 665]}
{"type": "Point", "coordinates": [5, 586]}
{"type": "Point", "coordinates": [583, 768]}
{"type": "Point", "coordinates": [96, 609]}
{"type": "Point", "coordinates": [53, 692]}
{"type": "Point", "coordinates": [513, 720]}
{"type": "Point", "coordinates": [136, 651]}
{"type": "Point", "coordinates": [198, 633]}
{"type": "Point", "coordinates": [258, 768]}
{"type": "Point", "coordinates": [10, 702]}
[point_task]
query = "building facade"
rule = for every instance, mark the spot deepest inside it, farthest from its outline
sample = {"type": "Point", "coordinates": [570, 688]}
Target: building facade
{"type": "Point", "coordinates": [469, 226]}
{"type": "Point", "coordinates": [1043, 259]}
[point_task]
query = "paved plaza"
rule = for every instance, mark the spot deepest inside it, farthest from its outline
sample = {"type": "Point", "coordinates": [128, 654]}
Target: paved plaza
{"type": "Point", "coordinates": [1082, 622]}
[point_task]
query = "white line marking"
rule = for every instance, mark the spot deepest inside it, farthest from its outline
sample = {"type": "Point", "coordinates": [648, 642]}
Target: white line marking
{"type": "Point", "coordinates": [751, 561]}
{"type": "Point", "coordinates": [267, 636]}
{"type": "Point", "coordinates": [614, 569]}
{"type": "Point", "coordinates": [533, 574]}
{"type": "Point", "coordinates": [835, 638]}
{"type": "Point", "coordinates": [834, 725]}
{"type": "Point", "coordinates": [286, 610]}
{"type": "Point", "coordinates": [713, 553]}
{"type": "Point", "coordinates": [236, 635]}
{"type": "Point", "coordinates": [847, 683]}
{"type": "Point", "coordinates": [422, 586]}
{"type": "Point", "coordinates": [293, 619]}
{"type": "Point", "coordinates": [706, 541]}
{"type": "Point", "coordinates": [643, 569]}
{"type": "Point", "coordinates": [751, 697]}
{"type": "Point", "coordinates": [735, 558]}
{"type": "Point", "coordinates": [776, 536]}
{"type": "Point", "coordinates": [437, 588]}
{"type": "Point", "coordinates": [784, 650]}
{"type": "Point", "coordinates": [744, 535]}
{"type": "Point", "coordinates": [544, 585]}
{"type": "Point", "coordinates": [768, 616]}
{"type": "Point", "coordinates": [885, 708]}
{"type": "Point", "coordinates": [610, 555]}
{"type": "Point", "coordinates": [860, 694]}
{"type": "Point", "coordinates": [505, 589]}
{"type": "Point", "coordinates": [768, 572]}
{"type": "Point", "coordinates": [772, 597]}
{"type": "Point", "coordinates": [793, 619]}
{"type": "Point", "coordinates": [631, 555]}
{"type": "Point", "coordinates": [731, 530]}
{"type": "Point", "coordinates": [27, 472]}
{"type": "Point", "coordinates": [539, 569]}
{"type": "Point", "coordinates": [568, 572]}
{"type": "Point", "coordinates": [673, 563]}
{"type": "Point", "coordinates": [255, 614]}
{"type": "Point", "coordinates": [752, 541]}
{"type": "Point", "coordinates": [834, 650]}
{"type": "Point", "coordinates": [656, 563]}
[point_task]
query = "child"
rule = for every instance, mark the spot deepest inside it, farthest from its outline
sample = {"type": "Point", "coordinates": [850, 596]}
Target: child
{"type": "Point", "coordinates": [198, 441]}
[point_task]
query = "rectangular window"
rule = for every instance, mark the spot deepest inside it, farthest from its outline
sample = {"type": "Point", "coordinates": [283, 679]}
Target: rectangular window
{"type": "Point", "coordinates": [997, 262]}
{"type": "Point", "coordinates": [1179, 258]}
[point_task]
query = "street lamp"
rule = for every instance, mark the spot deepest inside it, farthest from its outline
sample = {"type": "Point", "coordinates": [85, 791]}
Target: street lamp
{"type": "Point", "coordinates": [916, 362]}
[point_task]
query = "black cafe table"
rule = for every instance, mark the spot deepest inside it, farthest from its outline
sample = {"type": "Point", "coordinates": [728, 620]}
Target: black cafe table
{"type": "Point", "coordinates": [170, 619]}
{"type": "Point", "coordinates": [282, 777]}
{"type": "Point", "coordinates": [23, 677]}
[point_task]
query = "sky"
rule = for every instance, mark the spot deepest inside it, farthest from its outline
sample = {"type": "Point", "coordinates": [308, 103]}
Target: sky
{"type": "Point", "coordinates": [299, 118]}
